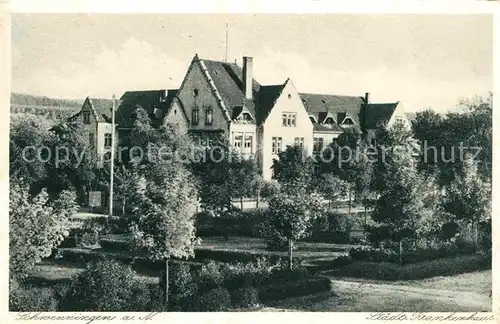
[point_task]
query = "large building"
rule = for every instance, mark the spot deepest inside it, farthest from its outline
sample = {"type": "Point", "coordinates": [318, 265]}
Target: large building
{"type": "Point", "coordinates": [219, 97]}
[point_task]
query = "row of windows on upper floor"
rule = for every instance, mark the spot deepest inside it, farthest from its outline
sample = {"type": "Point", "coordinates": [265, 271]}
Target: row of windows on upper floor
{"type": "Point", "coordinates": [195, 115]}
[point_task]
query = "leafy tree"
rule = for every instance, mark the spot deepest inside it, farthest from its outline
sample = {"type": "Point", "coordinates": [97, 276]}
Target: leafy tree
{"type": "Point", "coordinates": [25, 132]}
{"type": "Point", "coordinates": [468, 197]}
{"type": "Point", "coordinates": [73, 162]}
{"type": "Point", "coordinates": [246, 180]}
{"type": "Point", "coordinates": [401, 201]}
{"type": "Point", "coordinates": [164, 206]}
{"type": "Point", "coordinates": [37, 226]}
{"type": "Point", "coordinates": [353, 165]}
{"type": "Point", "coordinates": [470, 126]}
{"type": "Point", "coordinates": [293, 169]}
{"type": "Point", "coordinates": [332, 187]}
{"type": "Point", "coordinates": [290, 216]}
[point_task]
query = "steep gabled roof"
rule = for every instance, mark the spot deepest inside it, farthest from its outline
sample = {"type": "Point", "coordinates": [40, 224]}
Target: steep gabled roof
{"type": "Point", "coordinates": [379, 113]}
{"type": "Point", "coordinates": [103, 108]}
{"type": "Point", "coordinates": [228, 81]}
{"type": "Point", "coordinates": [266, 98]}
{"type": "Point", "coordinates": [322, 103]}
{"type": "Point", "coordinates": [149, 100]}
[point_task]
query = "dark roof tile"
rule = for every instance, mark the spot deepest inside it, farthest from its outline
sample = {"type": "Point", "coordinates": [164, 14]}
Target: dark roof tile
{"type": "Point", "coordinates": [316, 104]}
{"type": "Point", "coordinates": [148, 100]}
{"type": "Point", "coordinates": [228, 80]}
{"type": "Point", "coordinates": [379, 113]}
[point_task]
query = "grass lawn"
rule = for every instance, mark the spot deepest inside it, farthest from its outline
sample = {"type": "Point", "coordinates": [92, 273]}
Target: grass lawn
{"type": "Point", "coordinates": [306, 251]}
{"type": "Point", "coordinates": [52, 273]}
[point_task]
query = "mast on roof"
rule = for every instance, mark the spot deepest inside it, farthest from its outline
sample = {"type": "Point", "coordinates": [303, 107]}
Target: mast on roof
{"type": "Point", "coordinates": [227, 38]}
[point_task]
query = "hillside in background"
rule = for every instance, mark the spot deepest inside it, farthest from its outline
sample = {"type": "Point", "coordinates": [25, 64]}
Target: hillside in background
{"type": "Point", "coordinates": [50, 108]}
{"type": "Point", "coordinates": [29, 100]}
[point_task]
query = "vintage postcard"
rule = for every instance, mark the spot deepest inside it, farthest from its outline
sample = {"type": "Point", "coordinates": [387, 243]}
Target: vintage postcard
{"type": "Point", "coordinates": [244, 160]}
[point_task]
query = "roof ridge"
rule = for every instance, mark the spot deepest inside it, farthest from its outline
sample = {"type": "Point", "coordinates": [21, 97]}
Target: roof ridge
{"type": "Point", "coordinates": [328, 94]}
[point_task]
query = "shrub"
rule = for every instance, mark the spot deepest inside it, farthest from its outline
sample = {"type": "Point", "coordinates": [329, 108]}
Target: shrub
{"type": "Point", "coordinates": [294, 289]}
{"type": "Point", "coordinates": [106, 286]}
{"type": "Point", "coordinates": [245, 297]}
{"type": "Point", "coordinates": [214, 300]}
{"type": "Point", "coordinates": [31, 299]}
{"type": "Point", "coordinates": [333, 228]}
{"type": "Point", "coordinates": [240, 223]}
{"type": "Point", "coordinates": [367, 253]}
{"type": "Point", "coordinates": [182, 286]}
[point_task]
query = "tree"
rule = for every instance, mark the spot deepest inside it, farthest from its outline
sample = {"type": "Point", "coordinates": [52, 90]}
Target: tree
{"type": "Point", "coordinates": [293, 169]}
{"type": "Point", "coordinates": [332, 187]}
{"type": "Point", "coordinates": [37, 225]}
{"type": "Point", "coordinates": [290, 216]}
{"type": "Point", "coordinates": [164, 209]}
{"type": "Point", "coordinates": [245, 179]}
{"type": "Point", "coordinates": [468, 197]}
{"type": "Point", "coordinates": [29, 133]}
{"type": "Point", "coordinates": [351, 163]}
{"type": "Point", "coordinates": [73, 162]}
{"type": "Point", "coordinates": [401, 201]}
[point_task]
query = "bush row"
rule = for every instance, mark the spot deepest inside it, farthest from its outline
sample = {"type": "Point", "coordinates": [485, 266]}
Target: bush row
{"type": "Point", "coordinates": [390, 255]}
{"type": "Point", "coordinates": [413, 271]}
{"type": "Point", "coordinates": [109, 285]}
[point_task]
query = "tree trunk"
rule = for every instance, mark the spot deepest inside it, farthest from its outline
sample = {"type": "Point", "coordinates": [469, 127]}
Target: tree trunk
{"type": "Point", "coordinates": [123, 207]}
{"type": "Point", "coordinates": [165, 298]}
{"type": "Point", "coordinates": [365, 216]}
{"type": "Point", "coordinates": [257, 201]}
{"type": "Point", "coordinates": [349, 201]}
{"type": "Point", "coordinates": [401, 252]}
{"type": "Point", "coordinates": [290, 263]}
{"type": "Point", "coordinates": [241, 202]}
{"type": "Point", "coordinates": [475, 235]}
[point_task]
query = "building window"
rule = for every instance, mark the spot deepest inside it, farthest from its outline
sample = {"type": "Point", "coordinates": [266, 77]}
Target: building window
{"type": "Point", "coordinates": [289, 119]}
{"type": "Point", "coordinates": [195, 92]}
{"type": "Point", "coordinates": [86, 117]}
{"type": "Point", "coordinates": [248, 143]}
{"type": "Point", "coordinates": [238, 141]}
{"type": "Point", "coordinates": [318, 144]}
{"type": "Point", "coordinates": [299, 141]}
{"type": "Point", "coordinates": [195, 116]}
{"type": "Point", "coordinates": [91, 139]}
{"type": "Point", "coordinates": [277, 142]}
{"type": "Point", "coordinates": [317, 168]}
{"type": "Point", "coordinates": [399, 119]}
{"type": "Point", "coordinates": [209, 116]}
{"type": "Point", "coordinates": [328, 120]}
{"type": "Point", "coordinates": [107, 140]}
{"type": "Point", "coordinates": [348, 121]}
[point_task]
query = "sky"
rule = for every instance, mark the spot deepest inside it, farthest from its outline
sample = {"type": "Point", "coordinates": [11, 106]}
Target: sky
{"type": "Point", "coordinates": [421, 61]}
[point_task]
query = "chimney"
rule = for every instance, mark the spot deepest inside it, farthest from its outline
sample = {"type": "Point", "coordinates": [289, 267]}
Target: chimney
{"type": "Point", "coordinates": [247, 77]}
{"type": "Point", "coordinates": [367, 97]}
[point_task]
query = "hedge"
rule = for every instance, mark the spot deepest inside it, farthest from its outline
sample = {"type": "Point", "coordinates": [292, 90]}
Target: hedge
{"type": "Point", "coordinates": [439, 267]}
{"type": "Point", "coordinates": [74, 255]}
{"type": "Point", "coordinates": [302, 287]}
{"type": "Point", "coordinates": [388, 255]}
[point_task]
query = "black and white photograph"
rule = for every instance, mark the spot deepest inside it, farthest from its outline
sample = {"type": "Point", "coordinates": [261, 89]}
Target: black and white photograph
{"type": "Point", "coordinates": [336, 162]}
